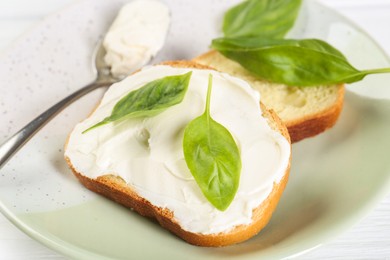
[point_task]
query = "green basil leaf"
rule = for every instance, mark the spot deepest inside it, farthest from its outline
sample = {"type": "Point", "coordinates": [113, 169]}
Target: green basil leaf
{"type": "Point", "coordinates": [266, 18]}
{"type": "Point", "coordinates": [213, 157]}
{"type": "Point", "coordinates": [259, 43]}
{"type": "Point", "coordinates": [309, 62]}
{"type": "Point", "coordinates": [149, 100]}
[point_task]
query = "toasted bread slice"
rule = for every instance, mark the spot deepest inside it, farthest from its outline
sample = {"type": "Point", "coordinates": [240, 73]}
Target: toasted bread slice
{"type": "Point", "coordinates": [116, 189]}
{"type": "Point", "coordinates": [306, 111]}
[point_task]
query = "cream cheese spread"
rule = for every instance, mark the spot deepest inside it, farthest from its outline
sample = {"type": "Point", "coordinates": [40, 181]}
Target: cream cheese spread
{"type": "Point", "coordinates": [136, 35]}
{"type": "Point", "coordinates": [147, 152]}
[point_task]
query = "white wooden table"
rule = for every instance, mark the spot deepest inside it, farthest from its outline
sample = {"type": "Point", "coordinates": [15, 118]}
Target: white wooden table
{"type": "Point", "coordinates": [369, 239]}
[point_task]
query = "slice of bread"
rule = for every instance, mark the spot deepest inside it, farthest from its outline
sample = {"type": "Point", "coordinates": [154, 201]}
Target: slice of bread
{"type": "Point", "coordinates": [306, 111]}
{"type": "Point", "coordinates": [116, 189]}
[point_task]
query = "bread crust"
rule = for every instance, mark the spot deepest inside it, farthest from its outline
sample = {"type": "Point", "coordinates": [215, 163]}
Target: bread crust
{"type": "Point", "coordinates": [317, 123]}
{"type": "Point", "coordinates": [115, 188]}
{"type": "Point", "coordinates": [306, 126]}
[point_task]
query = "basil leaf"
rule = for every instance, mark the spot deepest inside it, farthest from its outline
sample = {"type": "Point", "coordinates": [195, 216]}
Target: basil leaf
{"type": "Point", "coordinates": [309, 62]}
{"type": "Point", "coordinates": [213, 157]}
{"type": "Point", "coordinates": [149, 100]}
{"type": "Point", "coordinates": [259, 43]}
{"type": "Point", "coordinates": [266, 18]}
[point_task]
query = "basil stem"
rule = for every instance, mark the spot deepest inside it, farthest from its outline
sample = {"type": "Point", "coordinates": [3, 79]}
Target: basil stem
{"type": "Point", "coordinates": [308, 62]}
{"type": "Point", "coordinates": [149, 100]}
{"type": "Point", "coordinates": [212, 157]}
{"type": "Point", "coordinates": [266, 18]}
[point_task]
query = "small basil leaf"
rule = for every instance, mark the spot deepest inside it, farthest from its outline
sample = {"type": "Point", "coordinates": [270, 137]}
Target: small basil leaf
{"type": "Point", "coordinates": [308, 62]}
{"type": "Point", "coordinates": [213, 157]}
{"type": "Point", "coordinates": [266, 18]}
{"type": "Point", "coordinates": [149, 100]}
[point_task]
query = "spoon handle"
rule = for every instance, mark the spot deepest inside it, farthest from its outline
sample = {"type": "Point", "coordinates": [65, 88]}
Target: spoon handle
{"type": "Point", "coordinates": [15, 142]}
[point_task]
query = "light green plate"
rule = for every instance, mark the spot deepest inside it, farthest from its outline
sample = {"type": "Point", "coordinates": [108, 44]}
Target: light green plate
{"type": "Point", "coordinates": [336, 177]}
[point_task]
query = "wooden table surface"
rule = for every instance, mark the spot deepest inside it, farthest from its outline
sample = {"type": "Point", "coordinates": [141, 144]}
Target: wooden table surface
{"type": "Point", "coordinates": [368, 239]}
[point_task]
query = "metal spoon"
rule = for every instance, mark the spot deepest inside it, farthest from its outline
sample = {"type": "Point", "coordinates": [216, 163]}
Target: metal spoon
{"type": "Point", "coordinates": [103, 78]}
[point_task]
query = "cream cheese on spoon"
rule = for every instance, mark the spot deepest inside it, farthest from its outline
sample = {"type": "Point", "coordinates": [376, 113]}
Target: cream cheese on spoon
{"type": "Point", "coordinates": [136, 36]}
{"type": "Point", "coordinates": [147, 152]}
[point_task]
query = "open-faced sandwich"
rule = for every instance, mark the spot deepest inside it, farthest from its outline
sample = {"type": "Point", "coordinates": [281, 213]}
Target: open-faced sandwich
{"type": "Point", "coordinates": [188, 146]}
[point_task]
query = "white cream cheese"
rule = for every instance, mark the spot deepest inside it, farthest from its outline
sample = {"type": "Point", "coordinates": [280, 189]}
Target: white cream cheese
{"type": "Point", "coordinates": [136, 35]}
{"type": "Point", "coordinates": [147, 152]}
